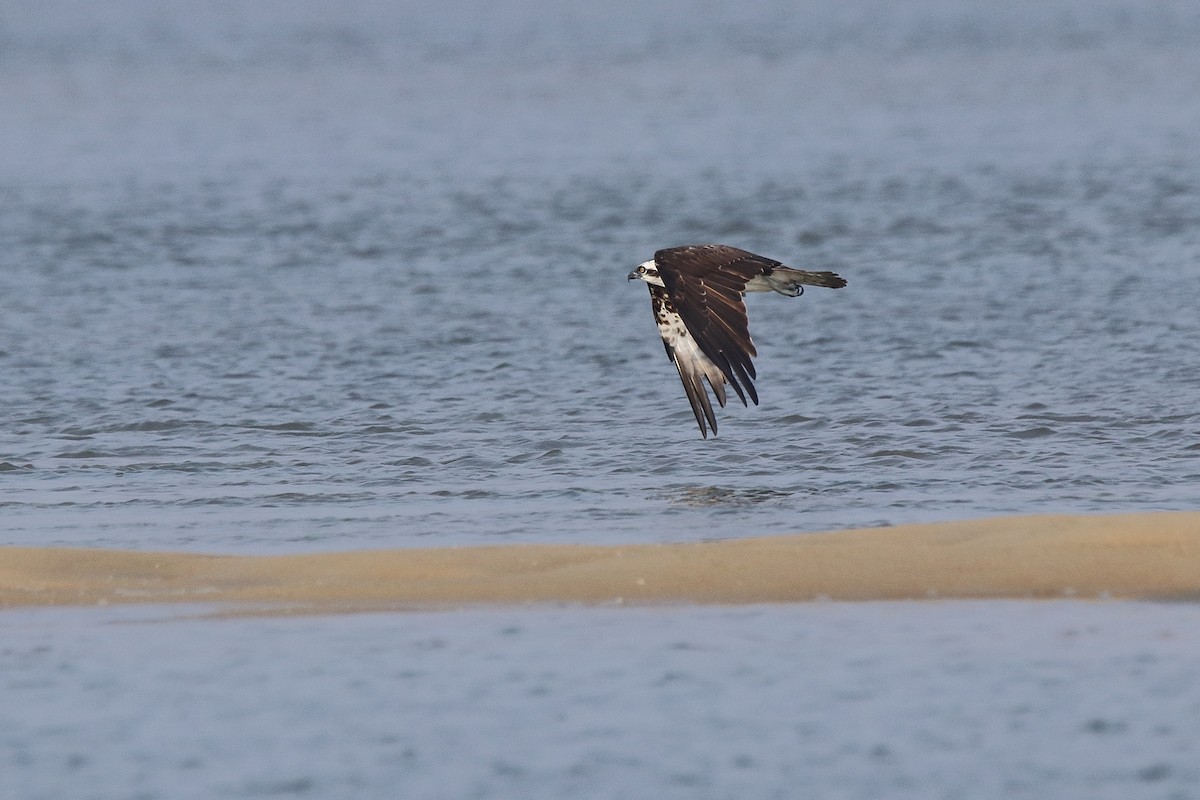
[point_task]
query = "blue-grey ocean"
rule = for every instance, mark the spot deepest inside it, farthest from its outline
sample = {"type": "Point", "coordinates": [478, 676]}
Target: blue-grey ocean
{"type": "Point", "coordinates": [284, 275]}
{"type": "Point", "coordinates": [340, 275]}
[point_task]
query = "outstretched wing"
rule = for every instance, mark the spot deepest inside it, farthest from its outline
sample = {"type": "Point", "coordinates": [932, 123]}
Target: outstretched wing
{"type": "Point", "coordinates": [706, 284]}
{"type": "Point", "coordinates": [689, 359]}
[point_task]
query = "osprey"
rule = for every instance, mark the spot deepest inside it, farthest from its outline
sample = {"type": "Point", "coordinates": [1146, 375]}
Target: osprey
{"type": "Point", "coordinates": [696, 293]}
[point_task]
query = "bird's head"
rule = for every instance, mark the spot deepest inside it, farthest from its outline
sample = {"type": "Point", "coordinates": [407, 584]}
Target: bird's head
{"type": "Point", "coordinates": [647, 271]}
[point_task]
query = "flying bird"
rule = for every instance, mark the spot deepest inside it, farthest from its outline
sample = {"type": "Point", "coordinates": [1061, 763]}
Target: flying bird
{"type": "Point", "coordinates": [697, 294]}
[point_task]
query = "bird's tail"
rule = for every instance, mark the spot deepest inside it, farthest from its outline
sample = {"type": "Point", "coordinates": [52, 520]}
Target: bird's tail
{"type": "Point", "coordinates": [791, 282]}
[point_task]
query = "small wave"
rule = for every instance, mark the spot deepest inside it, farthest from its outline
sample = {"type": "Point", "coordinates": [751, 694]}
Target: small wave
{"type": "Point", "coordinates": [913, 454]}
{"type": "Point", "coordinates": [85, 454]}
{"type": "Point", "coordinates": [1052, 417]}
{"type": "Point", "coordinates": [1031, 433]}
{"type": "Point", "coordinates": [150, 426]}
{"type": "Point", "coordinates": [469, 494]}
{"type": "Point", "coordinates": [281, 427]}
{"type": "Point", "coordinates": [413, 461]}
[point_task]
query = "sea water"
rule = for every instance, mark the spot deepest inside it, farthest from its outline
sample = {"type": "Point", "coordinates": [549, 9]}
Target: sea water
{"type": "Point", "coordinates": [306, 276]}
{"type": "Point", "coordinates": [289, 276]}
{"type": "Point", "coordinates": [1010, 699]}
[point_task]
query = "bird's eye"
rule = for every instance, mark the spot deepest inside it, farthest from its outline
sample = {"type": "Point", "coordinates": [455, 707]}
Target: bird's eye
{"type": "Point", "coordinates": [641, 270]}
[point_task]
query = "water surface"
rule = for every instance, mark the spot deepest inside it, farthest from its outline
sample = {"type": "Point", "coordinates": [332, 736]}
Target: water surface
{"type": "Point", "coordinates": [334, 276]}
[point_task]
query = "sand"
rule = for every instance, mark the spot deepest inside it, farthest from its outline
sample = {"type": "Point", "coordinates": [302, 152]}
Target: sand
{"type": "Point", "coordinates": [1142, 556]}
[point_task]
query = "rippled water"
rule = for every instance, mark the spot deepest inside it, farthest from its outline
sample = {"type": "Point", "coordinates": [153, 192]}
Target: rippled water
{"type": "Point", "coordinates": [353, 275]}
{"type": "Point", "coordinates": [862, 700]}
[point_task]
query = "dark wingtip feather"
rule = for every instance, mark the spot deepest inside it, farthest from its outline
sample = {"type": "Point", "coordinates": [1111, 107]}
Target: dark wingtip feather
{"type": "Point", "coordinates": [698, 398]}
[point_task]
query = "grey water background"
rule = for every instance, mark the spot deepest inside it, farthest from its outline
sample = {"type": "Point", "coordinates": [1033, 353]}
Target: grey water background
{"type": "Point", "coordinates": [1071, 699]}
{"type": "Point", "coordinates": [281, 276]}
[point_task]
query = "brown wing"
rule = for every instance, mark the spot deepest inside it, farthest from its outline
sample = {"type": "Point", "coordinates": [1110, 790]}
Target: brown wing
{"type": "Point", "coordinates": [706, 284]}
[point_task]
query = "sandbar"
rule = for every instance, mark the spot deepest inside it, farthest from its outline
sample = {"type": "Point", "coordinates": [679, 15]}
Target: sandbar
{"type": "Point", "coordinates": [1131, 556]}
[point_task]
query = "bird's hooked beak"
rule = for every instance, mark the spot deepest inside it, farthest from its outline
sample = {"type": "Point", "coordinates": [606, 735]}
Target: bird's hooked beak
{"type": "Point", "coordinates": [633, 276]}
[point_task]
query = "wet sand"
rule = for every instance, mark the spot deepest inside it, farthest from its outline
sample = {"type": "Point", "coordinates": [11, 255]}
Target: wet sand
{"type": "Point", "coordinates": [1143, 556]}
